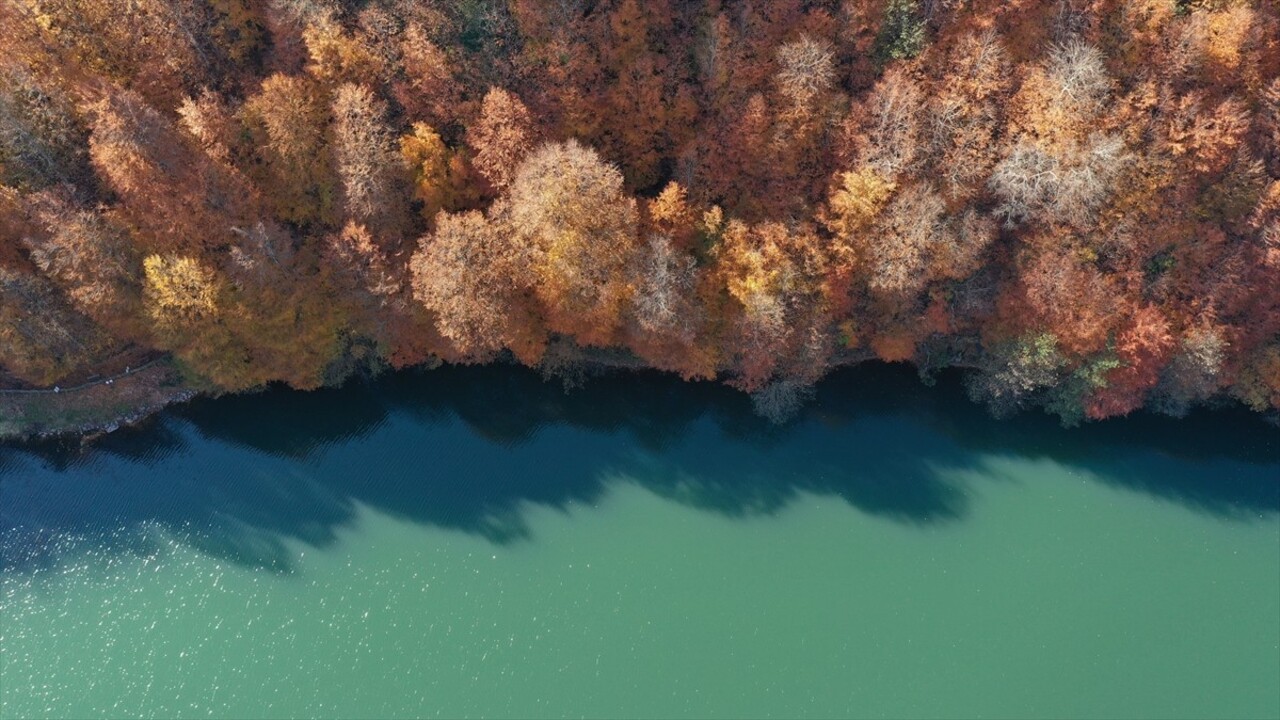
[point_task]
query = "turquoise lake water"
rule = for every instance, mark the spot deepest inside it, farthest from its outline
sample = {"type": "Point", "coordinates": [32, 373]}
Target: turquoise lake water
{"type": "Point", "coordinates": [477, 542]}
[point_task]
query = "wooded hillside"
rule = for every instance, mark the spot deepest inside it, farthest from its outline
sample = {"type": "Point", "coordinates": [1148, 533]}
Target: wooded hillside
{"type": "Point", "coordinates": [1080, 199]}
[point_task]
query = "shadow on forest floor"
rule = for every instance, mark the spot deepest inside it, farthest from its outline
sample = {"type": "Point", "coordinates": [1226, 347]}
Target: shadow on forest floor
{"type": "Point", "coordinates": [468, 447]}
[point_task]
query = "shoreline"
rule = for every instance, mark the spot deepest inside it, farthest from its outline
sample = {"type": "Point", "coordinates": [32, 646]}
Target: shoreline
{"type": "Point", "coordinates": [95, 409]}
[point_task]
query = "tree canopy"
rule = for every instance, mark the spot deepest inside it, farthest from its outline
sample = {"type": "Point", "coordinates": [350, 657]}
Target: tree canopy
{"type": "Point", "coordinates": [1078, 202]}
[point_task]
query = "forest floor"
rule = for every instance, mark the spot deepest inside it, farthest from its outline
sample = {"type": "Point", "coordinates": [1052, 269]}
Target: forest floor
{"type": "Point", "coordinates": [93, 406]}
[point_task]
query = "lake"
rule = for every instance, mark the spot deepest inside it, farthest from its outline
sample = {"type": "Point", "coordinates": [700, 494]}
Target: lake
{"type": "Point", "coordinates": [478, 542]}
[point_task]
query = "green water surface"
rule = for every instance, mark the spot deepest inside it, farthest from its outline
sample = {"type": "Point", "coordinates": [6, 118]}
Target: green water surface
{"type": "Point", "coordinates": [641, 549]}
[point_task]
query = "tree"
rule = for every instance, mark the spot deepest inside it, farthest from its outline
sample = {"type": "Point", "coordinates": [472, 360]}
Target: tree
{"type": "Point", "coordinates": [806, 69]}
{"type": "Point", "coordinates": [774, 274]}
{"type": "Point", "coordinates": [1209, 139]}
{"type": "Point", "coordinates": [1259, 383]}
{"type": "Point", "coordinates": [42, 141]}
{"type": "Point", "coordinates": [368, 163]}
{"type": "Point", "coordinates": [902, 32]}
{"type": "Point", "coordinates": [237, 31]}
{"type": "Point", "coordinates": [502, 136]}
{"type": "Point", "coordinates": [353, 252]}
{"type": "Point", "coordinates": [136, 150]}
{"type": "Point", "coordinates": [569, 209]}
{"type": "Point", "coordinates": [42, 339]}
{"type": "Point", "coordinates": [208, 119]}
{"type": "Point", "coordinates": [1056, 167]}
{"type": "Point", "coordinates": [1076, 79]}
{"type": "Point", "coordinates": [1033, 183]}
{"type": "Point", "coordinates": [1013, 371]}
{"type": "Point", "coordinates": [671, 214]}
{"type": "Point", "coordinates": [1143, 348]}
{"type": "Point", "coordinates": [428, 158]}
{"type": "Point", "coordinates": [1212, 43]}
{"type": "Point", "coordinates": [1066, 295]}
{"type": "Point", "coordinates": [966, 111]}
{"type": "Point", "coordinates": [900, 240]}
{"type": "Point", "coordinates": [287, 121]}
{"type": "Point", "coordinates": [899, 249]}
{"type": "Point", "coordinates": [885, 132]}
{"type": "Point", "coordinates": [1194, 373]}
{"type": "Point", "coordinates": [90, 258]}
{"type": "Point", "coordinates": [1271, 126]}
{"type": "Point", "coordinates": [338, 57]}
{"type": "Point", "coordinates": [428, 91]}
{"type": "Point", "coordinates": [468, 274]}
{"type": "Point", "coordinates": [759, 278]}
{"type": "Point", "coordinates": [856, 201]}
{"type": "Point", "coordinates": [666, 279]}
{"type": "Point", "coordinates": [179, 290]}
{"type": "Point", "coordinates": [275, 314]}
{"type": "Point", "coordinates": [150, 47]}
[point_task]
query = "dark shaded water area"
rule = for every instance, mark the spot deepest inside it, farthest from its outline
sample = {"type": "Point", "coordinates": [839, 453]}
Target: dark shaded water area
{"type": "Point", "coordinates": [874, 436]}
{"type": "Point", "coordinates": [477, 541]}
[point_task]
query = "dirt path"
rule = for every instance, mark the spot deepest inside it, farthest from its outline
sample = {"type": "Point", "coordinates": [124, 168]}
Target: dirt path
{"type": "Point", "coordinates": [93, 407]}
{"type": "Point", "coordinates": [109, 380]}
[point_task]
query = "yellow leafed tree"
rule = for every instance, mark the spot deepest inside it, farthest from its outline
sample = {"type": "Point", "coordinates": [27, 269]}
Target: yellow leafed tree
{"type": "Point", "coordinates": [178, 289]}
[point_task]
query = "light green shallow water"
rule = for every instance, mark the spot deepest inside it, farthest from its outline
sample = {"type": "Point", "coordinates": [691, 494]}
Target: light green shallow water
{"type": "Point", "coordinates": [1040, 589]}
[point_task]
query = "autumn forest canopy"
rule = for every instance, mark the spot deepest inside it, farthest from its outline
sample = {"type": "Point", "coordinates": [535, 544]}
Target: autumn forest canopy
{"type": "Point", "coordinates": [1077, 200]}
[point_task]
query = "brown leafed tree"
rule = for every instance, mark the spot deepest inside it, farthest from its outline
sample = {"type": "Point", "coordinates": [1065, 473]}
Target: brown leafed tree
{"type": "Point", "coordinates": [42, 338]}
{"type": "Point", "coordinates": [90, 258]}
{"type": "Point", "coordinates": [502, 136]}
{"type": "Point", "coordinates": [137, 150]}
{"type": "Point", "coordinates": [287, 121]}
{"type": "Point", "coordinates": [468, 274]}
{"type": "Point", "coordinates": [368, 160]}
{"type": "Point", "coordinates": [568, 208]}
{"type": "Point", "coordinates": [42, 138]}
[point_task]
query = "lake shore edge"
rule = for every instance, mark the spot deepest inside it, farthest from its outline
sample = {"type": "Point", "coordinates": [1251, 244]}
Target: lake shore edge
{"type": "Point", "coordinates": [91, 411]}
{"type": "Point", "coordinates": [31, 415]}
{"type": "Point", "coordinates": [87, 412]}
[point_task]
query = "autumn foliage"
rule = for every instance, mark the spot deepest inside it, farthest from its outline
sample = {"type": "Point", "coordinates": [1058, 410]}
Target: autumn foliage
{"type": "Point", "coordinates": [1078, 202]}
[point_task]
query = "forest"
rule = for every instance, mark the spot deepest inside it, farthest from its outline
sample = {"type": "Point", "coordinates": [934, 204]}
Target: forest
{"type": "Point", "coordinates": [1077, 201]}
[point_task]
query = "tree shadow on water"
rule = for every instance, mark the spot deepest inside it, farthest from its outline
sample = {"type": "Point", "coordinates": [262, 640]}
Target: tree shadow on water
{"type": "Point", "coordinates": [1224, 461]}
{"type": "Point", "coordinates": [470, 448]}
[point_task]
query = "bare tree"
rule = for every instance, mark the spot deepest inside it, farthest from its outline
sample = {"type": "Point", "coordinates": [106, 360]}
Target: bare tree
{"type": "Point", "coordinates": [1033, 183]}
{"type": "Point", "coordinates": [900, 249]}
{"type": "Point", "coordinates": [806, 69]}
{"type": "Point", "coordinates": [666, 278]}
{"type": "Point", "coordinates": [965, 113]}
{"type": "Point", "coordinates": [365, 149]}
{"type": "Point", "coordinates": [1078, 77]}
{"type": "Point", "coordinates": [889, 138]}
